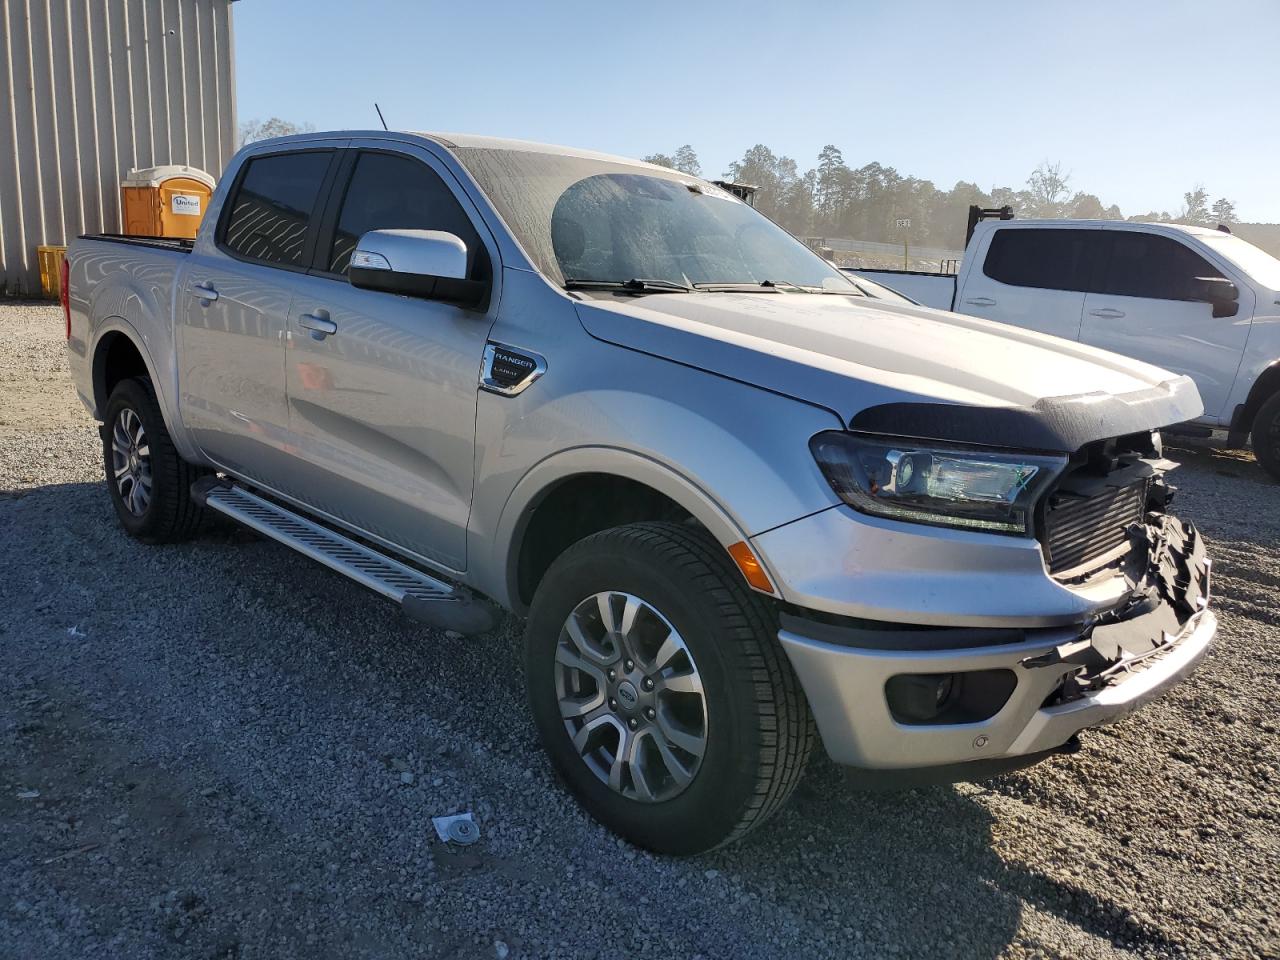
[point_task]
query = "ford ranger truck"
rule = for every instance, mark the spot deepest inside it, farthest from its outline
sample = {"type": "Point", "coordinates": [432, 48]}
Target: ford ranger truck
{"type": "Point", "coordinates": [743, 507]}
{"type": "Point", "coordinates": [1195, 300]}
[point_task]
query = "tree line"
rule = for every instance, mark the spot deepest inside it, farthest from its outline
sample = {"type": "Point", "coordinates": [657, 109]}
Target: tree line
{"type": "Point", "coordinates": [832, 199]}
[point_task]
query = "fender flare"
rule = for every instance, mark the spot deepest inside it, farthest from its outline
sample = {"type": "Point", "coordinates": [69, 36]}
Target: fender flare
{"type": "Point", "coordinates": [547, 474]}
{"type": "Point", "coordinates": [120, 325]}
{"type": "Point", "coordinates": [1264, 385]}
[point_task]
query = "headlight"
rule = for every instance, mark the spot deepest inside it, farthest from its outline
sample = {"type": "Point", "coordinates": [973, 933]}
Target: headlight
{"type": "Point", "coordinates": [949, 486]}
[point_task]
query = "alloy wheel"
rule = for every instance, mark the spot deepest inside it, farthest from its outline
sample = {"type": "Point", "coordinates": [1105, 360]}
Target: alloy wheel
{"type": "Point", "coordinates": [131, 461]}
{"type": "Point", "coordinates": [631, 697]}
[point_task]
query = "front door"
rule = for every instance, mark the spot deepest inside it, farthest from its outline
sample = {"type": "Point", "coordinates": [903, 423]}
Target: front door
{"type": "Point", "coordinates": [382, 409]}
{"type": "Point", "coordinates": [1031, 277]}
{"type": "Point", "coordinates": [233, 303]}
{"type": "Point", "coordinates": [1143, 311]}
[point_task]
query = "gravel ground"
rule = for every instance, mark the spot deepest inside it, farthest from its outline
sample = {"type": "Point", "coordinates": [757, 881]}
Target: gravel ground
{"type": "Point", "coordinates": [222, 750]}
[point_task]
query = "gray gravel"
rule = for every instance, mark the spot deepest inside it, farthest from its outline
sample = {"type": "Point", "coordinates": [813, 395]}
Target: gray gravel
{"type": "Point", "coordinates": [238, 754]}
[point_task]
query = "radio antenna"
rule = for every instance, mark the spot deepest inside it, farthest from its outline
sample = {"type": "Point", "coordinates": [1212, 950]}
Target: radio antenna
{"type": "Point", "coordinates": [380, 116]}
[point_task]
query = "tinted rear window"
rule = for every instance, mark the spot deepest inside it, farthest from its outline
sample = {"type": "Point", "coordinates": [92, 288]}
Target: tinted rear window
{"type": "Point", "coordinates": [273, 206]}
{"type": "Point", "coordinates": [1048, 259]}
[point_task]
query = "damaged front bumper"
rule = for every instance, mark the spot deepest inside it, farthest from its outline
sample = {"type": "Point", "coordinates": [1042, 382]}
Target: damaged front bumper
{"type": "Point", "coordinates": [1028, 691]}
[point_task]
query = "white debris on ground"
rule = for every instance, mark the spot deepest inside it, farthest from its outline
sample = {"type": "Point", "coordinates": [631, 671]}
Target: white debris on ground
{"type": "Point", "coordinates": [457, 828]}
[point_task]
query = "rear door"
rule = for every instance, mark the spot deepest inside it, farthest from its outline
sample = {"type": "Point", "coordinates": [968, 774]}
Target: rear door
{"type": "Point", "coordinates": [1030, 276]}
{"type": "Point", "coordinates": [233, 306]}
{"type": "Point", "coordinates": [382, 410]}
{"type": "Point", "coordinates": [1143, 310]}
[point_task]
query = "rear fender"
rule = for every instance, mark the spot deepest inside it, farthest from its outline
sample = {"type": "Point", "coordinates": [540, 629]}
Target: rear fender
{"type": "Point", "coordinates": [164, 386]}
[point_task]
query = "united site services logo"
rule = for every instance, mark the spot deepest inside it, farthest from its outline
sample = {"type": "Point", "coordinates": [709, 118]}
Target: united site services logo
{"type": "Point", "coordinates": [186, 205]}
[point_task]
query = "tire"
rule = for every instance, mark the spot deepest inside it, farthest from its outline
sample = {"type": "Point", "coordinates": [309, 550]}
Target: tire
{"type": "Point", "coordinates": [1266, 436]}
{"type": "Point", "coordinates": [149, 484]}
{"type": "Point", "coordinates": [751, 722]}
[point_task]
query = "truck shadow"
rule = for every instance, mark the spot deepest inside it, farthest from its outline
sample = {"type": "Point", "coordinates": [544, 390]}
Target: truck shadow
{"type": "Point", "coordinates": [1223, 461]}
{"type": "Point", "coordinates": [906, 874]}
{"type": "Point", "coordinates": [923, 865]}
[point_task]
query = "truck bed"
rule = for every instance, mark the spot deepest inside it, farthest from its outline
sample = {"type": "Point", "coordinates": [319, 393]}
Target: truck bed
{"type": "Point", "coordinates": [107, 271]}
{"type": "Point", "coordinates": [930, 289]}
{"type": "Point", "coordinates": [158, 243]}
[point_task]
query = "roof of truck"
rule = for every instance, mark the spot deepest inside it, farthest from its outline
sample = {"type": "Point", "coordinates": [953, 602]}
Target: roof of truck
{"type": "Point", "coordinates": [1067, 222]}
{"type": "Point", "coordinates": [453, 141]}
{"type": "Point", "coordinates": [476, 142]}
{"type": "Point", "coordinates": [1188, 228]}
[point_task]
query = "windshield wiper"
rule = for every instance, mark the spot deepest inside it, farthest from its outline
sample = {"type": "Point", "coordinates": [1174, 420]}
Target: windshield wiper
{"type": "Point", "coordinates": [634, 285]}
{"type": "Point", "coordinates": [763, 286]}
{"type": "Point", "coordinates": [774, 286]}
{"type": "Point", "coordinates": [744, 286]}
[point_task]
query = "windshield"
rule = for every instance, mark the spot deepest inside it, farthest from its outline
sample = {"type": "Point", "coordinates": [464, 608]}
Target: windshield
{"type": "Point", "coordinates": [1258, 264]}
{"type": "Point", "coordinates": [583, 220]}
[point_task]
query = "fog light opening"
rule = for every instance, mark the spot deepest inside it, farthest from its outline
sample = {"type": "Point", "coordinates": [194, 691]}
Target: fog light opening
{"type": "Point", "coordinates": [920, 697]}
{"type": "Point", "coordinates": [941, 698]}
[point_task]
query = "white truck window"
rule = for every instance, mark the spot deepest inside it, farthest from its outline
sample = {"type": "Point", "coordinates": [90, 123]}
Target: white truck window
{"type": "Point", "coordinates": [1151, 266]}
{"type": "Point", "coordinates": [1047, 259]}
{"type": "Point", "coordinates": [1257, 263]}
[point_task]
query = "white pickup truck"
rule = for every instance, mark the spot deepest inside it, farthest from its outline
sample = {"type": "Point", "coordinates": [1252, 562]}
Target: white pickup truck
{"type": "Point", "coordinates": [1197, 301]}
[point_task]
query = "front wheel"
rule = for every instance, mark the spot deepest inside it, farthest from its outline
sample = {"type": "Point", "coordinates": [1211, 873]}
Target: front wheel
{"type": "Point", "coordinates": [1266, 436]}
{"type": "Point", "coordinates": [660, 691]}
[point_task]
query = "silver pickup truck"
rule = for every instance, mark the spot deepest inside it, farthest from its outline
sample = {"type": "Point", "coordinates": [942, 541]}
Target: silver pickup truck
{"type": "Point", "coordinates": [742, 505]}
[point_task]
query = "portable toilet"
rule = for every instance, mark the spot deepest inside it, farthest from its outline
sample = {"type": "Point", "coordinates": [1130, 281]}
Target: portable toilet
{"type": "Point", "coordinates": [167, 201]}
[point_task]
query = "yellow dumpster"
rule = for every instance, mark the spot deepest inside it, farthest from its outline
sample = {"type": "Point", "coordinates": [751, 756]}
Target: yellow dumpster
{"type": "Point", "coordinates": [167, 201]}
{"type": "Point", "coordinates": [50, 259]}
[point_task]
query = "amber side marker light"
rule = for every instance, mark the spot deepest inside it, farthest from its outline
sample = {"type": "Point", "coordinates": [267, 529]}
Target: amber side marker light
{"type": "Point", "coordinates": [750, 566]}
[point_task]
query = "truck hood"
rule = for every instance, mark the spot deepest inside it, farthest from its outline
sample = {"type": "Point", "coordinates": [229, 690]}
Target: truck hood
{"type": "Point", "coordinates": [901, 369]}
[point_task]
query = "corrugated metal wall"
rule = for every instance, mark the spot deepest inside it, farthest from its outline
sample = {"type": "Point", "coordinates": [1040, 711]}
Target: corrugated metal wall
{"type": "Point", "coordinates": [90, 89]}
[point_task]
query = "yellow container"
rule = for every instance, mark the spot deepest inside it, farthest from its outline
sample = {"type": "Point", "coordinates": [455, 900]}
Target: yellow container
{"type": "Point", "coordinates": [167, 201]}
{"type": "Point", "coordinates": [50, 259]}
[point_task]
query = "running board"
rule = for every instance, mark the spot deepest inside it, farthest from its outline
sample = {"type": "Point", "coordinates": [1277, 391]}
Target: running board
{"type": "Point", "coordinates": [420, 595]}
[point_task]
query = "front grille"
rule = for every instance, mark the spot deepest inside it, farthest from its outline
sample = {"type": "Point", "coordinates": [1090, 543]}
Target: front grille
{"type": "Point", "coordinates": [1083, 532]}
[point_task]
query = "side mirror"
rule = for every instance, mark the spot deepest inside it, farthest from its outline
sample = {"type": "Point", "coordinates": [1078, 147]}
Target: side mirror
{"type": "Point", "coordinates": [430, 264]}
{"type": "Point", "coordinates": [1223, 294]}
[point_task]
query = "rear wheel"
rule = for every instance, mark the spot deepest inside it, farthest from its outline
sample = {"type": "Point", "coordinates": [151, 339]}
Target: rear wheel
{"type": "Point", "coordinates": [1266, 436]}
{"type": "Point", "coordinates": [660, 691]}
{"type": "Point", "coordinates": [150, 485]}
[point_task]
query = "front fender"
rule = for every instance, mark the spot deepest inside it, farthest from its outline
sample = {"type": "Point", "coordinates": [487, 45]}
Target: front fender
{"type": "Point", "coordinates": [734, 456]}
{"type": "Point", "coordinates": [613, 461]}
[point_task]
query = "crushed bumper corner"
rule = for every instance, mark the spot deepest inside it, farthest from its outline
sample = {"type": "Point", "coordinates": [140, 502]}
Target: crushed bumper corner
{"type": "Point", "coordinates": [1067, 679]}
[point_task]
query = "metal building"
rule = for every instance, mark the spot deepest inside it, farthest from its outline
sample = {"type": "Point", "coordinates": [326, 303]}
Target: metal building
{"type": "Point", "coordinates": [90, 89]}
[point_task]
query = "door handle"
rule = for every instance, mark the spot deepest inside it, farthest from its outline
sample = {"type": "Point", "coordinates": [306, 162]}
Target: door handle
{"type": "Point", "coordinates": [1107, 313]}
{"type": "Point", "coordinates": [318, 323]}
{"type": "Point", "coordinates": [980, 302]}
{"type": "Point", "coordinates": [204, 291]}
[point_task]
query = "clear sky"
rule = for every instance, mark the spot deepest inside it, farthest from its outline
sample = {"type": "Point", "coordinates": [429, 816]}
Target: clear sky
{"type": "Point", "coordinates": [1138, 99]}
